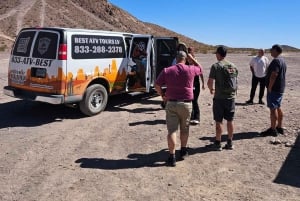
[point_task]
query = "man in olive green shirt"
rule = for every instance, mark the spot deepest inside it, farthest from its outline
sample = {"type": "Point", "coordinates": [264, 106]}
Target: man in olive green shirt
{"type": "Point", "coordinates": [223, 101]}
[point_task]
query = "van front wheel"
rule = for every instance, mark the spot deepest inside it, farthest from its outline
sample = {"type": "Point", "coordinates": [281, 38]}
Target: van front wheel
{"type": "Point", "coordinates": [94, 100]}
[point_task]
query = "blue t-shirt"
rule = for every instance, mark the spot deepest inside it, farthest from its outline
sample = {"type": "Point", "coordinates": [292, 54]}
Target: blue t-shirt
{"type": "Point", "coordinates": [277, 65]}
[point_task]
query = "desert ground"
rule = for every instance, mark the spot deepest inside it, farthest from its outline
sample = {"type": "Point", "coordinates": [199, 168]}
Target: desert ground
{"type": "Point", "coordinates": [53, 153]}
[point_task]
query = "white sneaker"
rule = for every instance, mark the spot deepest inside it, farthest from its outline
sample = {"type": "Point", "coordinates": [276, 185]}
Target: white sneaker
{"type": "Point", "coordinates": [196, 122]}
{"type": "Point", "coordinates": [192, 122]}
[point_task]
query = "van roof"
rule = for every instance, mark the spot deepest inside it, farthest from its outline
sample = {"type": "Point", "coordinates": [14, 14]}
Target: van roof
{"type": "Point", "coordinates": [84, 30]}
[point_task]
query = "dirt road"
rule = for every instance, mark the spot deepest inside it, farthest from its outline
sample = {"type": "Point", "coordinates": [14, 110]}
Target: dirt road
{"type": "Point", "coordinates": [52, 152]}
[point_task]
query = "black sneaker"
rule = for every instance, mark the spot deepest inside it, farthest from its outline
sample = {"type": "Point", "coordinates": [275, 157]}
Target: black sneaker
{"type": "Point", "coordinates": [214, 147]}
{"type": "Point", "coordinates": [269, 132]}
{"type": "Point", "coordinates": [228, 146]}
{"type": "Point", "coordinates": [184, 154]}
{"type": "Point", "coordinates": [249, 102]}
{"type": "Point", "coordinates": [261, 102]}
{"type": "Point", "coordinates": [280, 130]}
{"type": "Point", "coordinates": [171, 161]}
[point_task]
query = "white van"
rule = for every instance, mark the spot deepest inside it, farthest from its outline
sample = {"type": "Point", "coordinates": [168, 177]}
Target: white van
{"type": "Point", "coordinates": [79, 66]}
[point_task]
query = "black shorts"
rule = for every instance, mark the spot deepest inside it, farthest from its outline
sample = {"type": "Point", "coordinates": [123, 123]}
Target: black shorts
{"type": "Point", "coordinates": [223, 109]}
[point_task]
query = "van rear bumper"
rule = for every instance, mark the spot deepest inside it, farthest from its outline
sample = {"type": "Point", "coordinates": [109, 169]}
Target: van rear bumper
{"type": "Point", "coordinates": [27, 95]}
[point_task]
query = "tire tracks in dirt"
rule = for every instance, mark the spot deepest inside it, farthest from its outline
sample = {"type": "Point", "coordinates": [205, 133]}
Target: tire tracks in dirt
{"type": "Point", "coordinates": [20, 11]}
{"type": "Point", "coordinates": [42, 15]}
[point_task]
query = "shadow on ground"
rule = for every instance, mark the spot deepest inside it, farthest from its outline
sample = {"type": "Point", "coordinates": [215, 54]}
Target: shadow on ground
{"type": "Point", "coordinates": [21, 113]}
{"type": "Point", "coordinates": [236, 136]}
{"type": "Point", "coordinates": [135, 160]}
{"type": "Point", "coordinates": [289, 173]}
{"type": "Point", "coordinates": [118, 103]}
{"type": "Point", "coordinates": [30, 114]}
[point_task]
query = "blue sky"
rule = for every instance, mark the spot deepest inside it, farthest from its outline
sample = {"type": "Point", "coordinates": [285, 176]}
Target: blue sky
{"type": "Point", "coordinates": [234, 23]}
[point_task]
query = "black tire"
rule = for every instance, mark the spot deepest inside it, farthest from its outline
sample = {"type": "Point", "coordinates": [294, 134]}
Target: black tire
{"type": "Point", "coordinates": [94, 100]}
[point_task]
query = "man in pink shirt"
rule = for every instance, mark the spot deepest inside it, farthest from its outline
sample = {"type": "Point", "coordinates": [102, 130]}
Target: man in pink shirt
{"type": "Point", "coordinates": [179, 95]}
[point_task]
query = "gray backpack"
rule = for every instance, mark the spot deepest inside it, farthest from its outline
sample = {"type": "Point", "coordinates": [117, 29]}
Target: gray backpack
{"type": "Point", "coordinates": [230, 74]}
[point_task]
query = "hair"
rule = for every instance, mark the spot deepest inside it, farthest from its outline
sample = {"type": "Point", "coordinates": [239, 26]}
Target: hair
{"type": "Point", "coordinates": [277, 48]}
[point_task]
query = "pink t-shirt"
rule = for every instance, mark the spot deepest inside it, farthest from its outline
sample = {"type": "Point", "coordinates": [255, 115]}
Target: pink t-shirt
{"type": "Point", "coordinates": [179, 81]}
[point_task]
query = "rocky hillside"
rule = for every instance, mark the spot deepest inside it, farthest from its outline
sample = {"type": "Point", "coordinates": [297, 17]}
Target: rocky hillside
{"type": "Point", "coordinates": [90, 14]}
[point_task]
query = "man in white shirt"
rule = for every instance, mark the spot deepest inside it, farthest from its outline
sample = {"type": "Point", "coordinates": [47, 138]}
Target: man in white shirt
{"type": "Point", "coordinates": [258, 67]}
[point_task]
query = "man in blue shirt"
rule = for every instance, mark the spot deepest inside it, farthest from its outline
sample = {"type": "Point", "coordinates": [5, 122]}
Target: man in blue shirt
{"type": "Point", "coordinates": [275, 83]}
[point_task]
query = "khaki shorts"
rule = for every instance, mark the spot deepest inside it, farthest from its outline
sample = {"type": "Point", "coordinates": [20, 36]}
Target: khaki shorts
{"type": "Point", "coordinates": [178, 113]}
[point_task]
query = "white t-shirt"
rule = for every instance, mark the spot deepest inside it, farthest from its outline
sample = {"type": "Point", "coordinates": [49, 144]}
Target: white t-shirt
{"type": "Point", "coordinates": [259, 64]}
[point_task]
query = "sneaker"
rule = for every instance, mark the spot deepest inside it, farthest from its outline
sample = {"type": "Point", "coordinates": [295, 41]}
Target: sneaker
{"type": "Point", "coordinates": [214, 147]}
{"type": "Point", "coordinates": [228, 146]}
{"type": "Point", "coordinates": [171, 161]}
{"type": "Point", "coordinates": [250, 102]}
{"type": "Point", "coordinates": [269, 132]}
{"type": "Point", "coordinates": [280, 130]}
{"type": "Point", "coordinates": [196, 121]}
{"type": "Point", "coordinates": [261, 102]}
{"type": "Point", "coordinates": [183, 154]}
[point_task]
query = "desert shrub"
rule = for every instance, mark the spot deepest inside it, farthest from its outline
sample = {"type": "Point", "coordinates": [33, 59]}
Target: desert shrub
{"type": "Point", "coordinates": [3, 48]}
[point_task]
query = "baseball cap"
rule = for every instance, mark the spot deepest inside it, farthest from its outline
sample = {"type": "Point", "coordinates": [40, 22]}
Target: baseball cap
{"type": "Point", "coordinates": [221, 50]}
{"type": "Point", "coordinates": [181, 55]}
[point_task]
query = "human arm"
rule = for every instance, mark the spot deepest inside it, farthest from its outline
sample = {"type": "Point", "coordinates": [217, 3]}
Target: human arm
{"type": "Point", "coordinates": [251, 69]}
{"type": "Point", "coordinates": [202, 80]}
{"type": "Point", "coordinates": [210, 85]}
{"type": "Point", "coordinates": [211, 79]}
{"type": "Point", "coordinates": [192, 60]}
{"type": "Point", "coordinates": [273, 77]}
{"type": "Point", "coordinates": [252, 63]}
{"type": "Point", "coordinates": [160, 91]}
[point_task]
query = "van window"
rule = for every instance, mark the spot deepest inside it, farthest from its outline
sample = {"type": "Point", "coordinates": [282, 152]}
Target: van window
{"type": "Point", "coordinates": [96, 47]}
{"type": "Point", "coordinates": [23, 44]}
{"type": "Point", "coordinates": [45, 45]}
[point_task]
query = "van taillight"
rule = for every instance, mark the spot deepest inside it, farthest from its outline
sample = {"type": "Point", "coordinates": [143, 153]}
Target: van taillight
{"type": "Point", "coordinates": [62, 52]}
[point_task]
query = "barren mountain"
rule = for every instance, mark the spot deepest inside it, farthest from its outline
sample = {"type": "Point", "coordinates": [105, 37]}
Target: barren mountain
{"type": "Point", "coordinates": [89, 14]}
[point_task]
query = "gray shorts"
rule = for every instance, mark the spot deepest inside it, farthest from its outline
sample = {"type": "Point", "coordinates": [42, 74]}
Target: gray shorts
{"type": "Point", "coordinates": [178, 113]}
{"type": "Point", "coordinates": [223, 109]}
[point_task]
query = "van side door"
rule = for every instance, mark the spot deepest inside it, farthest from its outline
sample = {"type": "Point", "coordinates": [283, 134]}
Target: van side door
{"type": "Point", "coordinates": [164, 54]}
{"type": "Point", "coordinates": [139, 75]}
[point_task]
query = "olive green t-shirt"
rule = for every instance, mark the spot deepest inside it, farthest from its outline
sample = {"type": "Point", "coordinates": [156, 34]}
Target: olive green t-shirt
{"type": "Point", "coordinates": [216, 73]}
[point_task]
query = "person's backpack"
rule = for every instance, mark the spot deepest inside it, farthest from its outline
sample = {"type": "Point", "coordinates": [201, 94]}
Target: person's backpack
{"type": "Point", "coordinates": [230, 74]}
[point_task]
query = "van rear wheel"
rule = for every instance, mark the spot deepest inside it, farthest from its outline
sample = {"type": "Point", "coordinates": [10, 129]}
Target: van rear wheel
{"type": "Point", "coordinates": [94, 100]}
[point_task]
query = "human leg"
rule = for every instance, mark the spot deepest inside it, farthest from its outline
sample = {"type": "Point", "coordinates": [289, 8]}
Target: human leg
{"type": "Point", "coordinates": [172, 121]}
{"type": "Point", "coordinates": [196, 111]}
{"type": "Point", "coordinates": [262, 86]}
{"type": "Point", "coordinates": [218, 113]}
{"type": "Point", "coordinates": [279, 121]}
{"type": "Point", "coordinates": [280, 117]}
{"type": "Point", "coordinates": [254, 83]}
{"type": "Point", "coordinates": [216, 145]}
{"type": "Point", "coordinates": [230, 130]}
{"type": "Point", "coordinates": [273, 103]}
{"type": "Point", "coordinates": [272, 130]}
{"type": "Point", "coordinates": [171, 139]}
{"type": "Point", "coordinates": [273, 118]}
{"type": "Point", "coordinates": [185, 115]}
{"type": "Point", "coordinates": [229, 144]}
{"type": "Point", "coordinates": [184, 112]}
